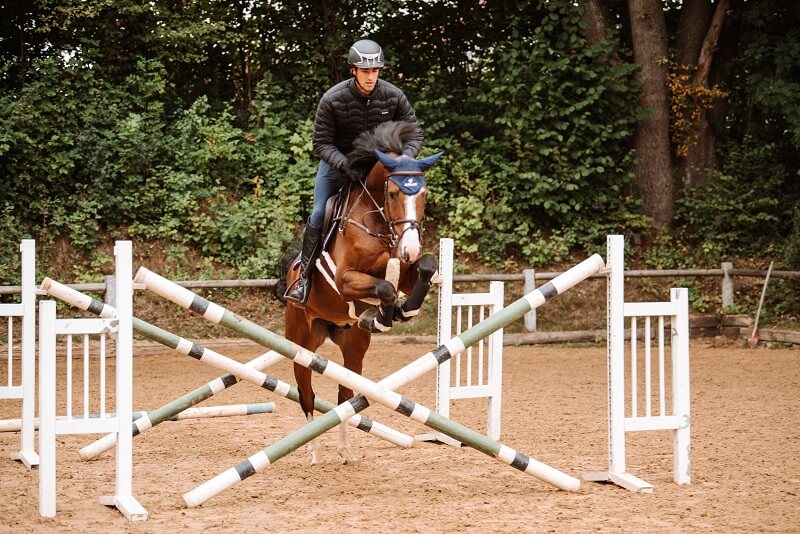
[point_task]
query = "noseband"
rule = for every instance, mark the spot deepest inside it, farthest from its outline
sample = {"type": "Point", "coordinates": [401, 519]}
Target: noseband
{"type": "Point", "coordinates": [392, 238]}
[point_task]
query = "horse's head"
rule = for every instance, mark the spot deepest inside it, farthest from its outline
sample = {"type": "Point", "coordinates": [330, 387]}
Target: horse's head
{"type": "Point", "coordinates": [405, 193]}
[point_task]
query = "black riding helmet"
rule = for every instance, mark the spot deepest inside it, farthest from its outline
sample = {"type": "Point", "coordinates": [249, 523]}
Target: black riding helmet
{"type": "Point", "coordinates": [365, 54]}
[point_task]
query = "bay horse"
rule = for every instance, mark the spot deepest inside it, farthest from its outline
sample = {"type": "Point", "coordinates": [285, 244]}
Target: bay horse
{"type": "Point", "coordinates": [373, 252]}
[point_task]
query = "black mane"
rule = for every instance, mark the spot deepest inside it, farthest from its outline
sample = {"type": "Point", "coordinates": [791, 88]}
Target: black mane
{"type": "Point", "coordinates": [386, 137]}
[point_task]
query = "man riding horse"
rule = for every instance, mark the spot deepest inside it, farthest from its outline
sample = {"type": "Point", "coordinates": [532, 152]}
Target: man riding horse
{"type": "Point", "coordinates": [346, 110]}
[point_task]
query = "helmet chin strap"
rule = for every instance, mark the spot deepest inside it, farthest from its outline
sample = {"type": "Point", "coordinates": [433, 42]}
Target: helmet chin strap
{"type": "Point", "coordinates": [360, 87]}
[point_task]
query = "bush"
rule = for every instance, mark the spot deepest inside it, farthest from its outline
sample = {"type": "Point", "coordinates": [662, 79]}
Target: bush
{"type": "Point", "coordinates": [742, 209]}
{"type": "Point", "coordinates": [537, 143]}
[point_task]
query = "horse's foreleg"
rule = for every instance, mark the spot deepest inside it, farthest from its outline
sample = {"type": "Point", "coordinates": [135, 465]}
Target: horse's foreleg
{"type": "Point", "coordinates": [380, 319]}
{"type": "Point", "coordinates": [342, 446]}
{"type": "Point", "coordinates": [353, 343]}
{"type": "Point", "coordinates": [355, 285]}
{"type": "Point", "coordinates": [425, 266]}
{"type": "Point", "coordinates": [303, 377]}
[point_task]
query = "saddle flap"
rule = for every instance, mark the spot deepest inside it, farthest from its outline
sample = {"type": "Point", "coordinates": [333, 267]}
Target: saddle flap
{"type": "Point", "coordinates": [334, 211]}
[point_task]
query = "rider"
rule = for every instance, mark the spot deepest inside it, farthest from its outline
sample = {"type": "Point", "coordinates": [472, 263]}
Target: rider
{"type": "Point", "coordinates": [346, 110]}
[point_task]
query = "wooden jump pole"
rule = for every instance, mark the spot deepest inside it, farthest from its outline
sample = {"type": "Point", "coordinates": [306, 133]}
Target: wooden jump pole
{"type": "Point", "coordinates": [380, 392]}
{"type": "Point", "coordinates": [249, 371]}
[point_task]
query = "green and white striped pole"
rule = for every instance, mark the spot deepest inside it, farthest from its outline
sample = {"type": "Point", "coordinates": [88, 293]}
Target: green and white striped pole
{"type": "Point", "coordinates": [205, 412]}
{"type": "Point", "coordinates": [250, 371]}
{"type": "Point", "coordinates": [381, 392]}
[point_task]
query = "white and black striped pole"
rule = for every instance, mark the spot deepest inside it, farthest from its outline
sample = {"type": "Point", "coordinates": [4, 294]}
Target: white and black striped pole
{"type": "Point", "coordinates": [205, 412]}
{"type": "Point", "coordinates": [250, 372]}
{"type": "Point", "coordinates": [380, 392]}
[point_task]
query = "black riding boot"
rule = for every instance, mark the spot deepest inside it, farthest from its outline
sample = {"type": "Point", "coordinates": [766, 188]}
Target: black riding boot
{"type": "Point", "coordinates": [298, 293]}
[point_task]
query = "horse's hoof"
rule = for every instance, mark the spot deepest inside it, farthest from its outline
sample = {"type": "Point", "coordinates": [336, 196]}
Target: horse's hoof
{"type": "Point", "coordinates": [403, 316]}
{"type": "Point", "coordinates": [314, 455]}
{"type": "Point", "coordinates": [369, 321]}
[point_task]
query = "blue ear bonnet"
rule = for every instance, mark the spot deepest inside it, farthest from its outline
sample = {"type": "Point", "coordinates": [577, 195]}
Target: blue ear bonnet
{"type": "Point", "coordinates": [409, 184]}
{"type": "Point", "coordinates": [407, 172]}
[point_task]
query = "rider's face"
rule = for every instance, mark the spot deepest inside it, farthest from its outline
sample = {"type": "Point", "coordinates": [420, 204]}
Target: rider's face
{"type": "Point", "coordinates": [366, 79]}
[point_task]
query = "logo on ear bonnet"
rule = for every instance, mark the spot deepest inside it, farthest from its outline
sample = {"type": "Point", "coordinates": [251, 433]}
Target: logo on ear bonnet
{"type": "Point", "coordinates": [408, 184]}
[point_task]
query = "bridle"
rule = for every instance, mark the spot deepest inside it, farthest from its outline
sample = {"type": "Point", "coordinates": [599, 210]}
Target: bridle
{"type": "Point", "coordinates": [391, 238]}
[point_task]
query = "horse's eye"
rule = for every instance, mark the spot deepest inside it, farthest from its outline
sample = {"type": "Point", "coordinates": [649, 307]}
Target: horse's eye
{"type": "Point", "coordinates": [393, 195]}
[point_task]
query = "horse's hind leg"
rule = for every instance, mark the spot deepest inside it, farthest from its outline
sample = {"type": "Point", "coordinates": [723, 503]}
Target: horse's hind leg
{"type": "Point", "coordinates": [353, 342]}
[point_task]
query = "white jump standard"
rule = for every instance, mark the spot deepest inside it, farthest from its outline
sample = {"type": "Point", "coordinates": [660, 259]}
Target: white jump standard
{"type": "Point", "coordinates": [380, 392]}
{"type": "Point", "coordinates": [119, 423]}
{"type": "Point", "coordinates": [677, 419]}
{"type": "Point", "coordinates": [25, 389]}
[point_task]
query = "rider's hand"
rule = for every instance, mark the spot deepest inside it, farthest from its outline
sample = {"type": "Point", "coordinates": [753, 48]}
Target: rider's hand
{"type": "Point", "coordinates": [356, 172]}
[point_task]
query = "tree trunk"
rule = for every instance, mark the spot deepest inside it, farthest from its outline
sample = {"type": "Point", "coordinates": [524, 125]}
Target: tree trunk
{"type": "Point", "coordinates": [597, 19]}
{"type": "Point", "coordinates": [710, 43]}
{"type": "Point", "coordinates": [692, 28]}
{"type": "Point", "coordinates": [702, 153]}
{"type": "Point", "coordinates": [653, 170]}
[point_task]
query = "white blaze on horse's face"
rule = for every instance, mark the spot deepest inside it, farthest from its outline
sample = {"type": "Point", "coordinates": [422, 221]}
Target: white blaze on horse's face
{"type": "Point", "coordinates": [410, 212]}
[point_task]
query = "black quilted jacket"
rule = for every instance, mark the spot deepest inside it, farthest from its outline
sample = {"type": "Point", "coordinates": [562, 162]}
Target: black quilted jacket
{"type": "Point", "coordinates": [343, 113]}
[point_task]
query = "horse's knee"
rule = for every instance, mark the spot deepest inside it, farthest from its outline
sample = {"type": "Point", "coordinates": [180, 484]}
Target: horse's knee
{"type": "Point", "coordinates": [388, 296]}
{"type": "Point", "coordinates": [386, 293]}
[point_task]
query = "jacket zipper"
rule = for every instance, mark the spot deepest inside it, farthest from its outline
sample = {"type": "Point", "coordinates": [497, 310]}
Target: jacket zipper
{"type": "Point", "coordinates": [366, 114]}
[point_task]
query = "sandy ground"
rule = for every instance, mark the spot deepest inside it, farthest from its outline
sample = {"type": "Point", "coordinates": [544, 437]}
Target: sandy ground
{"type": "Point", "coordinates": [745, 456]}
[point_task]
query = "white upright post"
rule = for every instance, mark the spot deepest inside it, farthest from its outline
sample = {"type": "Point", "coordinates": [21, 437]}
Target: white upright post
{"type": "Point", "coordinates": [444, 333]}
{"type": "Point", "coordinates": [445, 324]}
{"type": "Point", "coordinates": [615, 262]}
{"type": "Point", "coordinates": [47, 408]}
{"type": "Point", "coordinates": [680, 385]}
{"type": "Point", "coordinates": [27, 453]}
{"type": "Point", "coordinates": [123, 498]}
{"type": "Point", "coordinates": [495, 344]}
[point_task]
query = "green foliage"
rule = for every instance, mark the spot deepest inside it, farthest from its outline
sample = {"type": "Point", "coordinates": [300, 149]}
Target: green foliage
{"type": "Point", "coordinates": [12, 233]}
{"type": "Point", "coordinates": [671, 250]}
{"type": "Point", "coordinates": [540, 157]}
{"type": "Point", "coordinates": [742, 210]}
{"type": "Point", "coordinates": [791, 288]}
{"type": "Point", "coordinates": [118, 165]}
{"type": "Point", "coordinates": [771, 54]}
{"type": "Point", "coordinates": [189, 124]}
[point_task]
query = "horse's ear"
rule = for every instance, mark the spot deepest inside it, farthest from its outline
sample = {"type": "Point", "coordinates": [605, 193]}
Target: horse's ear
{"type": "Point", "coordinates": [427, 163]}
{"type": "Point", "coordinates": [388, 161]}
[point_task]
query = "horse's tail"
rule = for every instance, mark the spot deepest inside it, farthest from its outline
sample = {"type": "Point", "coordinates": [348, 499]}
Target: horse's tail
{"type": "Point", "coordinates": [288, 257]}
